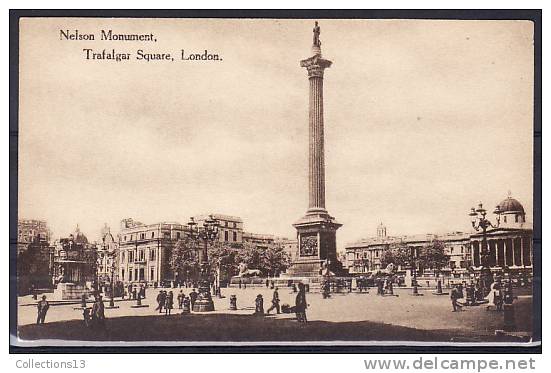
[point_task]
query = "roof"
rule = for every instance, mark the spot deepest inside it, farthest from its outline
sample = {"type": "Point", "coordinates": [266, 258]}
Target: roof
{"type": "Point", "coordinates": [510, 204]}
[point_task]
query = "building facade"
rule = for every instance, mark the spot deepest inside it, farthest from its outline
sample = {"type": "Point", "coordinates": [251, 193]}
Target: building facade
{"type": "Point", "coordinates": [31, 230]}
{"type": "Point", "coordinates": [509, 244]}
{"type": "Point", "coordinates": [107, 257]}
{"type": "Point", "coordinates": [230, 228]}
{"type": "Point", "coordinates": [144, 251]}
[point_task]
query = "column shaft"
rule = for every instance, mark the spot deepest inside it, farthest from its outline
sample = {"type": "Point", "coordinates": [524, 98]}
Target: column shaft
{"type": "Point", "coordinates": [316, 154]}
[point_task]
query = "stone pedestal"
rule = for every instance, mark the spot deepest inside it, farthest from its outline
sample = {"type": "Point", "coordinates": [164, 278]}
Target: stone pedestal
{"type": "Point", "coordinates": [70, 291]}
{"type": "Point", "coordinates": [316, 236]}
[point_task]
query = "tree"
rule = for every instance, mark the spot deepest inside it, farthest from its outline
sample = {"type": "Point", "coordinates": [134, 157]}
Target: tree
{"type": "Point", "coordinates": [396, 253]}
{"type": "Point", "coordinates": [251, 255]}
{"type": "Point", "coordinates": [433, 256]}
{"type": "Point", "coordinates": [184, 258]}
{"type": "Point", "coordinates": [271, 260]}
{"type": "Point", "coordinates": [223, 257]}
{"type": "Point", "coordinates": [275, 260]}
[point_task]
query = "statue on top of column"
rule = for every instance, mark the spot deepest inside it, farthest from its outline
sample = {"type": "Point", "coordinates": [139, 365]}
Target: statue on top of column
{"type": "Point", "coordinates": [316, 42]}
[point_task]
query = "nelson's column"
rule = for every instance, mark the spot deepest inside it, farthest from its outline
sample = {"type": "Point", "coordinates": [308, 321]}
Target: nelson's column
{"type": "Point", "coordinates": [316, 231]}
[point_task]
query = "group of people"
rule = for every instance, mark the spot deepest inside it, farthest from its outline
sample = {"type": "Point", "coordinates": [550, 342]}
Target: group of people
{"type": "Point", "coordinates": [165, 300]}
{"type": "Point", "coordinates": [499, 293]}
{"type": "Point", "coordinates": [135, 292]}
{"type": "Point", "coordinates": [384, 286]}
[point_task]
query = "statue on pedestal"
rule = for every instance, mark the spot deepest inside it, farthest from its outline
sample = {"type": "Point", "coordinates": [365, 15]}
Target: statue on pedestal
{"type": "Point", "coordinates": [316, 42]}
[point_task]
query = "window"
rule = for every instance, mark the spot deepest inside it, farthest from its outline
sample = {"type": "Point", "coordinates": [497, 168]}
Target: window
{"type": "Point", "coordinates": [152, 234]}
{"type": "Point", "coordinates": [152, 274]}
{"type": "Point", "coordinates": [130, 256]}
{"type": "Point", "coordinates": [122, 260]}
{"type": "Point", "coordinates": [122, 274]}
{"type": "Point", "coordinates": [178, 235]}
{"type": "Point", "coordinates": [130, 275]}
{"type": "Point", "coordinates": [226, 235]}
{"type": "Point", "coordinates": [152, 254]}
{"type": "Point", "coordinates": [516, 218]}
{"type": "Point", "coordinates": [140, 255]}
{"type": "Point", "coordinates": [125, 238]}
{"type": "Point", "coordinates": [225, 223]}
{"type": "Point", "coordinates": [235, 236]}
{"type": "Point", "coordinates": [505, 218]}
{"type": "Point", "coordinates": [451, 250]}
{"type": "Point", "coordinates": [235, 225]}
{"type": "Point", "coordinates": [131, 237]}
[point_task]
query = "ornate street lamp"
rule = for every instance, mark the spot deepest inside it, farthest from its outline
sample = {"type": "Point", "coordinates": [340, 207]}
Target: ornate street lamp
{"type": "Point", "coordinates": [413, 261]}
{"type": "Point", "coordinates": [207, 233]}
{"type": "Point", "coordinates": [480, 223]}
{"type": "Point", "coordinates": [112, 298]}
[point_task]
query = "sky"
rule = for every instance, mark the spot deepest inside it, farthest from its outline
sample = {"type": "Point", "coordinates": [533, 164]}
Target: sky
{"type": "Point", "coordinates": [423, 120]}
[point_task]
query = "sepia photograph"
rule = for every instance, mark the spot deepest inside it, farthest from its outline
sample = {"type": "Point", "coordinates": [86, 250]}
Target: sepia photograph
{"type": "Point", "coordinates": [282, 181]}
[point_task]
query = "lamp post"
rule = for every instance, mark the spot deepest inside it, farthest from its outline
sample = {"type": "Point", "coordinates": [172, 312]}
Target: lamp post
{"type": "Point", "coordinates": [207, 233]}
{"type": "Point", "coordinates": [480, 223]}
{"type": "Point", "coordinates": [112, 298]}
{"type": "Point", "coordinates": [413, 256]}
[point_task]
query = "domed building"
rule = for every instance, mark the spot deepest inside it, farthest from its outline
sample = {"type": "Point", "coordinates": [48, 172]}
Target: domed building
{"type": "Point", "coordinates": [78, 237]}
{"type": "Point", "coordinates": [509, 240]}
{"type": "Point", "coordinates": [107, 257]}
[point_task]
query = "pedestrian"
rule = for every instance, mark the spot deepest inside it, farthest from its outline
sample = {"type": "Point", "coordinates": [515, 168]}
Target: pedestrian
{"type": "Point", "coordinates": [130, 291]}
{"type": "Point", "coordinates": [169, 303]}
{"type": "Point", "coordinates": [42, 307]}
{"type": "Point", "coordinates": [142, 291]}
{"type": "Point", "coordinates": [300, 304]}
{"type": "Point", "coordinates": [186, 305]}
{"type": "Point", "coordinates": [160, 301]}
{"type": "Point", "coordinates": [272, 284]}
{"type": "Point", "coordinates": [380, 287]}
{"type": "Point", "coordinates": [390, 287]}
{"type": "Point", "coordinates": [259, 305]}
{"type": "Point", "coordinates": [326, 289]}
{"type": "Point", "coordinates": [239, 283]}
{"type": "Point", "coordinates": [193, 297]}
{"type": "Point", "coordinates": [181, 297]}
{"type": "Point", "coordinates": [275, 303]}
{"type": "Point", "coordinates": [134, 293]}
{"type": "Point", "coordinates": [454, 295]}
{"type": "Point", "coordinates": [98, 313]}
{"type": "Point", "coordinates": [267, 283]}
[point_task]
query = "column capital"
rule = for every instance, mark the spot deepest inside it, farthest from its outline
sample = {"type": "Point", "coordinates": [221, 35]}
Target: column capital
{"type": "Point", "coordinates": [315, 66]}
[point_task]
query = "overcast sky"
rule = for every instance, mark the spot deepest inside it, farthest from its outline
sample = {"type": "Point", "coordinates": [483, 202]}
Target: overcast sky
{"type": "Point", "coordinates": [423, 119]}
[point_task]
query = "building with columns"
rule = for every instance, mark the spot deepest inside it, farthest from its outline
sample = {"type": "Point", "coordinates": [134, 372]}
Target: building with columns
{"type": "Point", "coordinates": [510, 245]}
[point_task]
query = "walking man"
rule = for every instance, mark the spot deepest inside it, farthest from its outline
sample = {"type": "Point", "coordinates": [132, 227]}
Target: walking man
{"type": "Point", "coordinates": [169, 303]}
{"type": "Point", "coordinates": [300, 304]}
{"type": "Point", "coordinates": [454, 295]}
{"type": "Point", "coordinates": [180, 299]}
{"type": "Point", "coordinates": [43, 307]}
{"type": "Point", "coordinates": [275, 303]}
{"type": "Point", "coordinates": [161, 297]}
{"type": "Point", "coordinates": [193, 298]}
{"type": "Point", "coordinates": [98, 312]}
